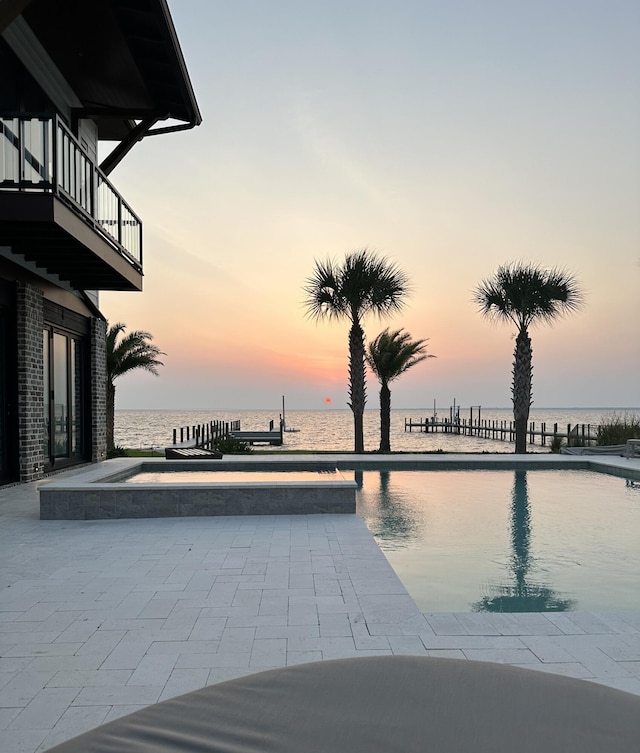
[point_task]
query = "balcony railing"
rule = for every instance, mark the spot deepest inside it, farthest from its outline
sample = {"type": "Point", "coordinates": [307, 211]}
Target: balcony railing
{"type": "Point", "coordinates": [38, 153]}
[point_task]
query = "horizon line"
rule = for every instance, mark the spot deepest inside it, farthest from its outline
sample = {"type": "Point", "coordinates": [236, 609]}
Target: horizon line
{"type": "Point", "coordinates": [377, 409]}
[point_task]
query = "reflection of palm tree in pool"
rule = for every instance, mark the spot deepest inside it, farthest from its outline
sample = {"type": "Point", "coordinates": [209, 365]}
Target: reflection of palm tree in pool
{"type": "Point", "coordinates": [521, 596]}
{"type": "Point", "coordinates": [394, 519]}
{"type": "Point", "coordinates": [520, 528]}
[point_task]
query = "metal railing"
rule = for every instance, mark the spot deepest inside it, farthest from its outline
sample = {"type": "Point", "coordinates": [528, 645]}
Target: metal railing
{"type": "Point", "coordinates": [38, 153]}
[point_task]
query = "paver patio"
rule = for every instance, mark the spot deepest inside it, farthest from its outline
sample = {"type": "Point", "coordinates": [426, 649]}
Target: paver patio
{"type": "Point", "coordinates": [100, 618]}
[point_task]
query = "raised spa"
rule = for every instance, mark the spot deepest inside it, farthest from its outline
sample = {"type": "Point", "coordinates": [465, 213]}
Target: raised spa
{"type": "Point", "coordinates": [169, 489]}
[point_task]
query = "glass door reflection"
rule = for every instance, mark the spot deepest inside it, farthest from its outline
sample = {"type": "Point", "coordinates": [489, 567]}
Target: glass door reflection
{"type": "Point", "coordinates": [60, 396]}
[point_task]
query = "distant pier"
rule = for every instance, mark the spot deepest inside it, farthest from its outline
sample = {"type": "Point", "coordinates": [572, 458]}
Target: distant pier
{"type": "Point", "coordinates": [505, 431]}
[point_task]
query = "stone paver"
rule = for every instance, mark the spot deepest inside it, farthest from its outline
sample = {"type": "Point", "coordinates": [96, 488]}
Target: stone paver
{"type": "Point", "coordinates": [99, 618]}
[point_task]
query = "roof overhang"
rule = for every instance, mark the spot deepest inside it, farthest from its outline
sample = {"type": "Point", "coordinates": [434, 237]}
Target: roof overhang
{"type": "Point", "coordinates": [122, 59]}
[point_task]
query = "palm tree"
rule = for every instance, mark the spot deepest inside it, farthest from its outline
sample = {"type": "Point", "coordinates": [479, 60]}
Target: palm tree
{"type": "Point", "coordinates": [365, 283]}
{"type": "Point", "coordinates": [132, 351]}
{"type": "Point", "coordinates": [524, 294]}
{"type": "Point", "coordinates": [389, 356]}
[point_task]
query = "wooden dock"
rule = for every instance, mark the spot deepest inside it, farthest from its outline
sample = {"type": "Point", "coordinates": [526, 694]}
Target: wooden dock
{"type": "Point", "coordinates": [203, 435]}
{"type": "Point", "coordinates": [505, 431]}
{"type": "Point", "coordinates": [258, 437]}
{"type": "Point", "coordinates": [206, 435]}
{"type": "Point", "coordinates": [272, 436]}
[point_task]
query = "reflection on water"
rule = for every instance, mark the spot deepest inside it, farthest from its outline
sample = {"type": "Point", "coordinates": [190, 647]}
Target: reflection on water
{"type": "Point", "coordinates": [510, 541]}
{"type": "Point", "coordinates": [521, 596]}
{"type": "Point", "coordinates": [388, 509]}
{"type": "Point", "coordinates": [394, 520]}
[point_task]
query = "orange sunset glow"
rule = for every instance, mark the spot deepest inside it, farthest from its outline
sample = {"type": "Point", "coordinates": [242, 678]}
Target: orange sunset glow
{"type": "Point", "coordinates": [482, 138]}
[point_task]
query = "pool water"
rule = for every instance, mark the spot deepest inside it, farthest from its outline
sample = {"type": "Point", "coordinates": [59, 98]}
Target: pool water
{"type": "Point", "coordinates": [509, 541]}
{"type": "Point", "coordinates": [236, 476]}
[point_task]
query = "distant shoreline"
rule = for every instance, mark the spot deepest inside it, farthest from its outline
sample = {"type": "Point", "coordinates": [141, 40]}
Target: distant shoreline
{"type": "Point", "coordinates": [395, 410]}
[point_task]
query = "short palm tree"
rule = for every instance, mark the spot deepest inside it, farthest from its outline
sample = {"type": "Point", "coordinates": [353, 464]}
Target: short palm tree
{"type": "Point", "coordinates": [389, 356]}
{"type": "Point", "coordinates": [525, 294]}
{"type": "Point", "coordinates": [126, 353]}
{"type": "Point", "coordinates": [364, 284]}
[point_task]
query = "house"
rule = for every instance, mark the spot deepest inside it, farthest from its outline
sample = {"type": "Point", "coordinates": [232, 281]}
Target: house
{"type": "Point", "coordinates": [73, 74]}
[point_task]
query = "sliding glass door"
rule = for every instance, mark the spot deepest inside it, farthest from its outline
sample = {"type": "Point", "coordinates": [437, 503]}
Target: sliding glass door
{"type": "Point", "coordinates": [63, 397]}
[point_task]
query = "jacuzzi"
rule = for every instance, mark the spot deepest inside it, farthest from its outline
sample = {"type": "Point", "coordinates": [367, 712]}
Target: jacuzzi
{"type": "Point", "coordinates": [250, 487]}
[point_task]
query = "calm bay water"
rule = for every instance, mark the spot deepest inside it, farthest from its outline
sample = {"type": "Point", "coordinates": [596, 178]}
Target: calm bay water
{"type": "Point", "coordinates": [331, 429]}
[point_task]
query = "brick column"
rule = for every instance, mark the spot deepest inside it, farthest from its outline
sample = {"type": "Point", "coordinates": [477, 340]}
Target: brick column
{"type": "Point", "coordinates": [30, 322]}
{"type": "Point", "coordinates": [98, 390]}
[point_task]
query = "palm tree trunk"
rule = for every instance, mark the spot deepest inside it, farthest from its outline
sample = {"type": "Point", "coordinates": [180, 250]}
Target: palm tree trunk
{"type": "Point", "coordinates": [521, 388]}
{"type": "Point", "coordinates": [111, 405]}
{"type": "Point", "coordinates": [385, 418]}
{"type": "Point", "coordinates": [357, 384]}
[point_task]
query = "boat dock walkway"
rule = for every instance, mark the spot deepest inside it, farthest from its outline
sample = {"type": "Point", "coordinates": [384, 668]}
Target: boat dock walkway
{"type": "Point", "coordinates": [505, 431]}
{"type": "Point", "coordinates": [206, 435]}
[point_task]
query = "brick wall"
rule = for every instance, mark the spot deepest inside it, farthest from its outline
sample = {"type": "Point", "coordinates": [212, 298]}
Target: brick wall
{"type": "Point", "coordinates": [30, 321]}
{"type": "Point", "coordinates": [98, 390]}
{"type": "Point", "coordinates": [30, 367]}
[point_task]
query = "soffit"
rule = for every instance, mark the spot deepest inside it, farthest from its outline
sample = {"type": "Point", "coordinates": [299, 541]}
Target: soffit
{"type": "Point", "coordinates": [121, 57]}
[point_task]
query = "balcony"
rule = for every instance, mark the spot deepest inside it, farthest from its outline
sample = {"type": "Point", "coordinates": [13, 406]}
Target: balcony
{"type": "Point", "coordinates": [60, 212]}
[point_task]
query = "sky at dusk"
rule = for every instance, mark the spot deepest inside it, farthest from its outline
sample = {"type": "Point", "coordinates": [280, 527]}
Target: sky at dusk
{"type": "Point", "coordinates": [451, 137]}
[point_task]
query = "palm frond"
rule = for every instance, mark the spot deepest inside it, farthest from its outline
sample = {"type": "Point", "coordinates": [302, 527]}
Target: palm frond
{"type": "Point", "coordinates": [391, 354]}
{"type": "Point", "coordinates": [364, 283]}
{"type": "Point", "coordinates": [525, 293]}
{"type": "Point", "coordinates": [132, 351]}
{"type": "Point", "coordinates": [324, 299]}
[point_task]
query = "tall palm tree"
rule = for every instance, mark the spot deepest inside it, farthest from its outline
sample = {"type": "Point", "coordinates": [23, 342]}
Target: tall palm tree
{"type": "Point", "coordinates": [126, 353]}
{"type": "Point", "coordinates": [365, 283]}
{"type": "Point", "coordinates": [389, 356]}
{"type": "Point", "coordinates": [525, 294]}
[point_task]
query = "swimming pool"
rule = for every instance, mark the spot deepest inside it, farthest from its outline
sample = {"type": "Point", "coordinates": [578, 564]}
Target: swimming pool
{"type": "Point", "coordinates": [518, 540]}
